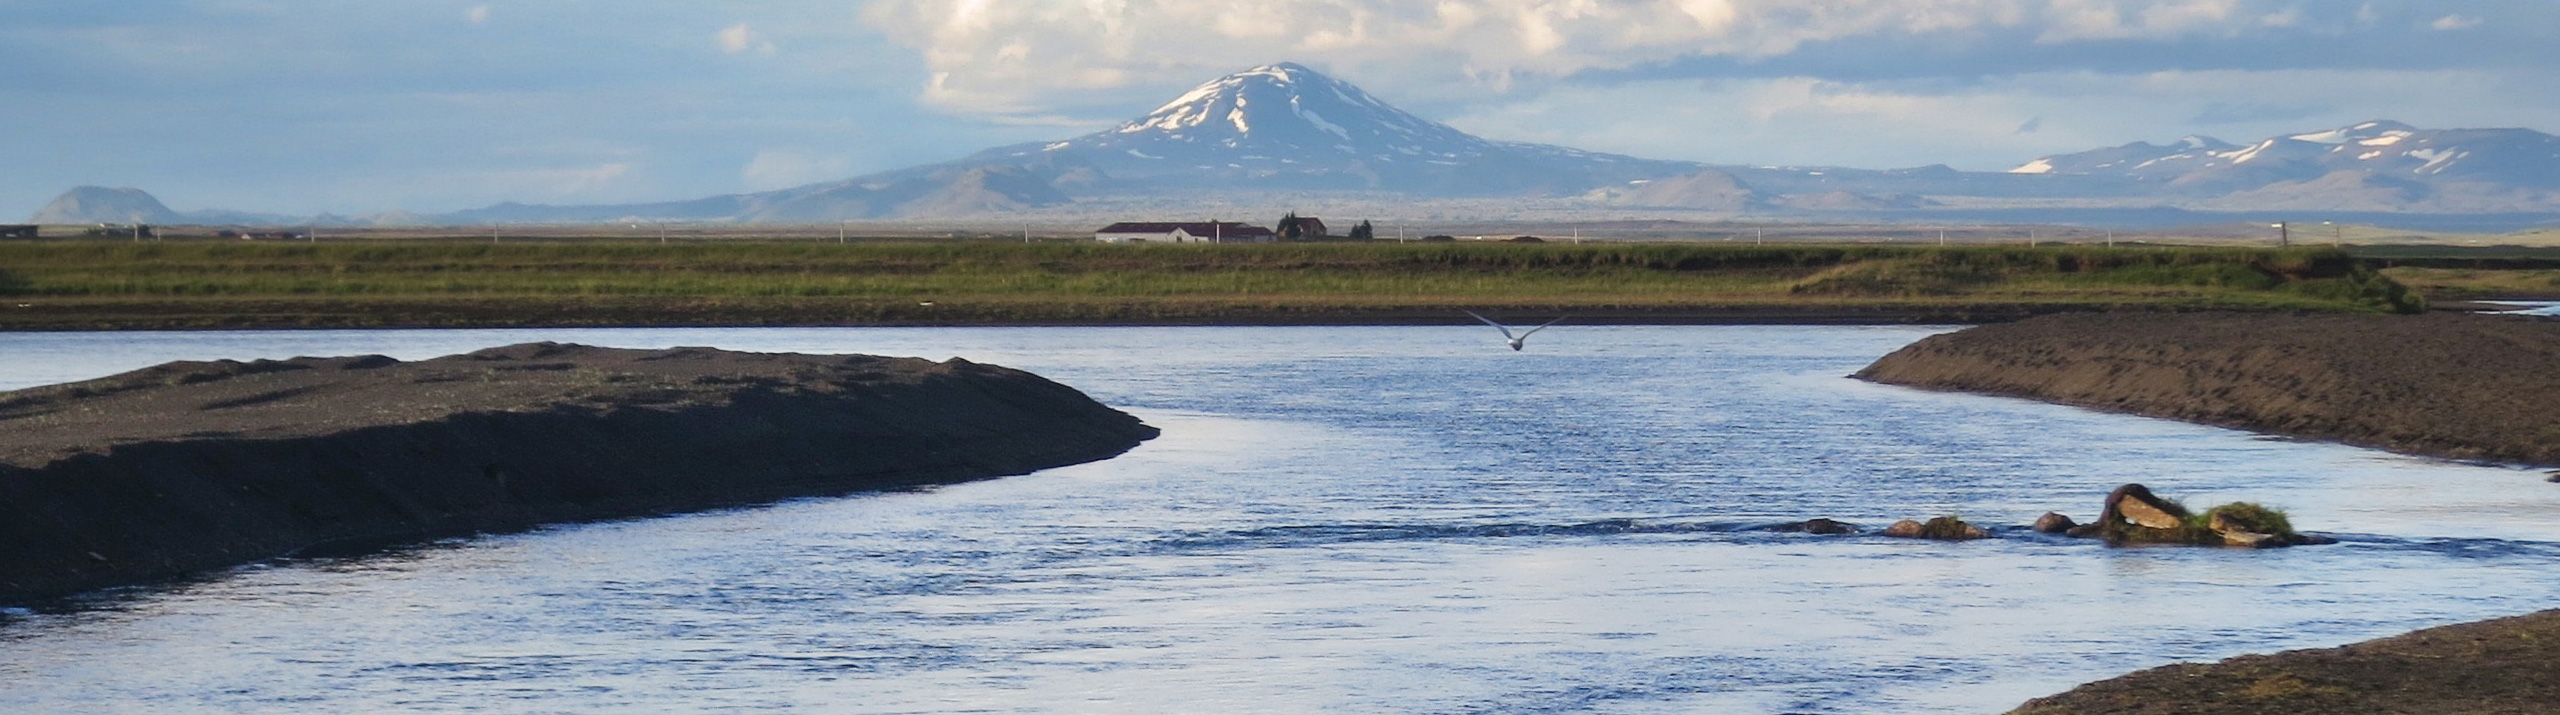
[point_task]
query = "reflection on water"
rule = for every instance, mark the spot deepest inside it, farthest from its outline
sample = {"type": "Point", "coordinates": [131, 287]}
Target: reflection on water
{"type": "Point", "coordinates": [2527, 307]}
{"type": "Point", "coordinates": [1341, 519]}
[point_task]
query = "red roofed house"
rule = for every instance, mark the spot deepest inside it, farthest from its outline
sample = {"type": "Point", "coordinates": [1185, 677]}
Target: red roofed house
{"type": "Point", "coordinates": [1192, 232]}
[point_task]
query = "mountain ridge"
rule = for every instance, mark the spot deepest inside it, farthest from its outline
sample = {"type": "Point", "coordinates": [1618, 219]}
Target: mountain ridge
{"type": "Point", "coordinates": [2373, 164]}
{"type": "Point", "coordinates": [1284, 129]}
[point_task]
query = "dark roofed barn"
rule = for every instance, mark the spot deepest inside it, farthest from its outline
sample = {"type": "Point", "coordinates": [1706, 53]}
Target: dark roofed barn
{"type": "Point", "coordinates": [1299, 228]}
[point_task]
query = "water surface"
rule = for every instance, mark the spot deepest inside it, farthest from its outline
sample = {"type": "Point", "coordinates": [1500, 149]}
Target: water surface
{"type": "Point", "coordinates": [1386, 520]}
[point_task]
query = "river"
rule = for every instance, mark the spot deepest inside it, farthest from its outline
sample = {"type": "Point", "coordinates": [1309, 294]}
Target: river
{"type": "Point", "coordinates": [1337, 519]}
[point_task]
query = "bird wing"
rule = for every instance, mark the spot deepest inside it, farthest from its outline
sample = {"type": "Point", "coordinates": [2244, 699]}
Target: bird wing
{"type": "Point", "coordinates": [1506, 331]}
{"type": "Point", "coordinates": [1541, 326]}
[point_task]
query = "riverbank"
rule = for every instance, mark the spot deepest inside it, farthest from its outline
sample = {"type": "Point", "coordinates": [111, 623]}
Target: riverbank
{"type": "Point", "coordinates": [2475, 387]}
{"type": "Point", "coordinates": [2497, 666]}
{"type": "Point", "coordinates": [2457, 386]}
{"type": "Point", "coordinates": [187, 467]}
{"type": "Point", "coordinates": [61, 285]}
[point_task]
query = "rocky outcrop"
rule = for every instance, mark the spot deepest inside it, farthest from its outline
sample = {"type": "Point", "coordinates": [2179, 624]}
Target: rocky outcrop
{"type": "Point", "coordinates": [2133, 515]}
{"type": "Point", "coordinates": [2133, 507]}
{"type": "Point", "coordinates": [190, 466]}
{"type": "Point", "coordinates": [2445, 385]}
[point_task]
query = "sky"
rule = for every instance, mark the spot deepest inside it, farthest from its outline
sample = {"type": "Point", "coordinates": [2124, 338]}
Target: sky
{"type": "Point", "coordinates": [306, 106]}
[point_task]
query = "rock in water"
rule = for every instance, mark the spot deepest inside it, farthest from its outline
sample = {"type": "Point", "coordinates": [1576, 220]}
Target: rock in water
{"type": "Point", "coordinates": [1944, 528]}
{"type": "Point", "coordinates": [2054, 523]}
{"type": "Point", "coordinates": [2134, 503]}
{"type": "Point", "coordinates": [2133, 515]}
{"type": "Point", "coordinates": [1816, 526]}
{"type": "Point", "coordinates": [189, 466]}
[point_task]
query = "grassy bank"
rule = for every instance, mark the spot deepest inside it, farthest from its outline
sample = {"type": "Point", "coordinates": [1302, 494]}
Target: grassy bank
{"type": "Point", "coordinates": [98, 284]}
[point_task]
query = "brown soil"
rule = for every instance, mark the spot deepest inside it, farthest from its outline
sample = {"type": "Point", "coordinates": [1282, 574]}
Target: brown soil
{"type": "Point", "coordinates": [2446, 385]}
{"type": "Point", "coordinates": [191, 466]}
{"type": "Point", "coordinates": [2509, 665]}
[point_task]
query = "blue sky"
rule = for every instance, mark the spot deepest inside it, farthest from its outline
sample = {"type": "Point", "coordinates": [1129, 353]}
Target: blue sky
{"type": "Point", "coordinates": [301, 106]}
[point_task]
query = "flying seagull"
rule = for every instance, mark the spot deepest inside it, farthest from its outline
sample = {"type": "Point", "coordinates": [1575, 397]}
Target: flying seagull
{"type": "Point", "coordinates": [1516, 340]}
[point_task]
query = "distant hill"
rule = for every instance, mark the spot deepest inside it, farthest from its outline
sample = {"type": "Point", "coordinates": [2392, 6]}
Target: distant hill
{"type": "Point", "coordinates": [99, 204]}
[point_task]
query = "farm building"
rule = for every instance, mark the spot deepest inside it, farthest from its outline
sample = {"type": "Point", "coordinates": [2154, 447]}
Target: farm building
{"type": "Point", "coordinates": [1294, 227]}
{"type": "Point", "coordinates": [1193, 232]}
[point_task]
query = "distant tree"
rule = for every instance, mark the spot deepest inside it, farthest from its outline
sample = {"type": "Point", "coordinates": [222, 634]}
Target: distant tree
{"type": "Point", "coordinates": [1363, 232]}
{"type": "Point", "coordinates": [1289, 229]}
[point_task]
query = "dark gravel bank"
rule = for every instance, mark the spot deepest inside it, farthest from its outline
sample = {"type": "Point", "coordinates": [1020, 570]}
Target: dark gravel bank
{"type": "Point", "coordinates": [190, 466]}
{"type": "Point", "coordinates": [2500, 666]}
{"type": "Point", "coordinates": [2445, 385]}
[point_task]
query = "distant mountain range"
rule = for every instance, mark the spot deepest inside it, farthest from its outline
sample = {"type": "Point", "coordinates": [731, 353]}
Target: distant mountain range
{"type": "Point", "coordinates": [2373, 166]}
{"type": "Point", "coordinates": [1285, 129]}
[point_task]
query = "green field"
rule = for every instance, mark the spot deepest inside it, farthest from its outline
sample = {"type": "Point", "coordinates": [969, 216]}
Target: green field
{"type": "Point", "coordinates": [71, 284]}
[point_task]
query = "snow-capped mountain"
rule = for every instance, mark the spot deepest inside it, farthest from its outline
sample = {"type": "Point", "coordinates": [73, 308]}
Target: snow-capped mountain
{"type": "Point", "coordinates": [1287, 126]}
{"type": "Point", "coordinates": [2382, 148]}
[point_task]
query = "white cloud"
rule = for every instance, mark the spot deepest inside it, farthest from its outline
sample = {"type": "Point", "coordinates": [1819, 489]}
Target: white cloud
{"type": "Point", "coordinates": [1022, 56]}
{"type": "Point", "coordinates": [477, 15]}
{"type": "Point", "coordinates": [2455, 22]}
{"type": "Point", "coordinates": [735, 38]}
{"type": "Point", "coordinates": [741, 38]}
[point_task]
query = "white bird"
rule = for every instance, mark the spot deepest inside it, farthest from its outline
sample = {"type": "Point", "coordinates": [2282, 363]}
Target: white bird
{"type": "Point", "coordinates": [1516, 340]}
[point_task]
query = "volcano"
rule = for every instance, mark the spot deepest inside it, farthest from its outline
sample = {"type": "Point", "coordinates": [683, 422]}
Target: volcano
{"type": "Point", "coordinates": [1284, 126]}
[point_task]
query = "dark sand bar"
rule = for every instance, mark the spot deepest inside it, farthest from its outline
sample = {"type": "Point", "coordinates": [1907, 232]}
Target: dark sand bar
{"type": "Point", "coordinates": [2497, 666]}
{"type": "Point", "coordinates": [2479, 387]}
{"type": "Point", "coordinates": [190, 466]}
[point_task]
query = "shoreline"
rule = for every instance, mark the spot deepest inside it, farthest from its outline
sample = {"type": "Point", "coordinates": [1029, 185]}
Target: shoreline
{"type": "Point", "coordinates": [1387, 316]}
{"type": "Point", "coordinates": [259, 316]}
{"type": "Point", "coordinates": [2499, 665]}
{"type": "Point", "coordinates": [2445, 385]}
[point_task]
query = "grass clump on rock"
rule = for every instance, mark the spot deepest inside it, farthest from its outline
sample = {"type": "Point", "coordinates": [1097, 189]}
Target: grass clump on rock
{"type": "Point", "coordinates": [2133, 515]}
